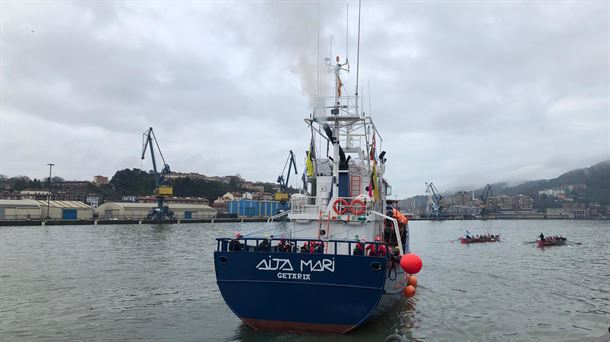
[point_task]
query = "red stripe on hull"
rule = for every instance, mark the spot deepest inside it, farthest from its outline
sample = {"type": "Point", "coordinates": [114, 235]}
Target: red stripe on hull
{"type": "Point", "coordinates": [261, 324]}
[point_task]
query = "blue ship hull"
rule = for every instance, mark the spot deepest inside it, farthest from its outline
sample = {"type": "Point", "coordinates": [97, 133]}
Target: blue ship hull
{"type": "Point", "coordinates": [316, 292]}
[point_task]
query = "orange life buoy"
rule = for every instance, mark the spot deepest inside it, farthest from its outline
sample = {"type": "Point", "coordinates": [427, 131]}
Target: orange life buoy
{"type": "Point", "coordinates": [340, 206]}
{"type": "Point", "coordinates": [357, 207]}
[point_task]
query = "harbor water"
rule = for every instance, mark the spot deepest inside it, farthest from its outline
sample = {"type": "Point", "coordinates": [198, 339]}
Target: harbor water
{"type": "Point", "coordinates": [157, 283]}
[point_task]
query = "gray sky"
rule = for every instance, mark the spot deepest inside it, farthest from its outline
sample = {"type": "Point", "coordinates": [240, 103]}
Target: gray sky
{"type": "Point", "coordinates": [463, 93]}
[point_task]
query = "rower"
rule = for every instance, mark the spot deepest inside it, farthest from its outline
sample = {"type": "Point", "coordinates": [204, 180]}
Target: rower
{"type": "Point", "coordinates": [541, 237]}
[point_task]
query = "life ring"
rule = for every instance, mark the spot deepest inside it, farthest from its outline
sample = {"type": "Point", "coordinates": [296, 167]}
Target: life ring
{"type": "Point", "coordinates": [340, 206]}
{"type": "Point", "coordinates": [357, 207]}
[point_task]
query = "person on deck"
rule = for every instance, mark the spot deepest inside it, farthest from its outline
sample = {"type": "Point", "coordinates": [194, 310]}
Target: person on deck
{"type": "Point", "coordinates": [234, 244]}
{"type": "Point", "coordinates": [376, 250]}
{"type": "Point", "coordinates": [358, 249]}
{"type": "Point", "coordinates": [468, 237]}
{"type": "Point", "coordinates": [402, 221]}
{"type": "Point", "coordinates": [264, 246]}
{"type": "Point", "coordinates": [283, 246]}
{"type": "Point", "coordinates": [541, 236]}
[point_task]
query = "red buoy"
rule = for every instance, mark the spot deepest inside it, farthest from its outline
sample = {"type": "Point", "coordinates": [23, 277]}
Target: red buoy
{"type": "Point", "coordinates": [412, 280]}
{"type": "Point", "coordinates": [411, 263]}
{"type": "Point", "coordinates": [409, 291]}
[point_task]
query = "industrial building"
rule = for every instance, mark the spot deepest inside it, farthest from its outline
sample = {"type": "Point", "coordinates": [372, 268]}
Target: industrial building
{"type": "Point", "coordinates": [65, 210]}
{"type": "Point", "coordinates": [138, 211]}
{"type": "Point", "coordinates": [252, 208]}
{"type": "Point", "coordinates": [19, 210]}
{"type": "Point", "coordinates": [39, 209]}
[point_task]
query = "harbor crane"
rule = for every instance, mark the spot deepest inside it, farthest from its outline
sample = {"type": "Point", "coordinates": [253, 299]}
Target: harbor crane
{"type": "Point", "coordinates": [484, 197]}
{"type": "Point", "coordinates": [434, 208]}
{"type": "Point", "coordinates": [161, 212]}
{"type": "Point", "coordinates": [282, 194]}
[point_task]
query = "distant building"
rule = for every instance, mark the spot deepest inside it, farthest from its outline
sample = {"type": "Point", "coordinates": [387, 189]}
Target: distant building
{"type": "Point", "coordinates": [72, 185]}
{"type": "Point", "coordinates": [576, 210]}
{"type": "Point", "coordinates": [65, 210]}
{"type": "Point", "coordinates": [174, 199]}
{"type": "Point", "coordinates": [461, 198]}
{"type": "Point", "coordinates": [523, 202]}
{"type": "Point", "coordinates": [252, 187]}
{"type": "Point", "coordinates": [100, 180]}
{"type": "Point", "coordinates": [557, 193]}
{"type": "Point", "coordinates": [265, 196]}
{"type": "Point", "coordinates": [250, 208]}
{"type": "Point", "coordinates": [93, 201]}
{"type": "Point", "coordinates": [20, 210]}
{"type": "Point", "coordinates": [34, 194]}
{"type": "Point", "coordinates": [139, 211]}
{"type": "Point", "coordinates": [502, 202]}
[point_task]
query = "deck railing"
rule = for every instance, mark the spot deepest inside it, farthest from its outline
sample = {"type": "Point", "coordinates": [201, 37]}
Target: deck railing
{"type": "Point", "coordinates": [304, 246]}
{"type": "Point", "coordinates": [396, 230]}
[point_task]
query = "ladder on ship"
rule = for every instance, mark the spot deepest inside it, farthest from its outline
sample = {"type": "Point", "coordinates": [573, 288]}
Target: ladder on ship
{"type": "Point", "coordinates": [355, 185]}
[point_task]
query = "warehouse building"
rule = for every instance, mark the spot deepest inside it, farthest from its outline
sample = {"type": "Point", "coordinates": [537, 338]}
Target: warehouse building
{"type": "Point", "coordinates": [65, 210]}
{"type": "Point", "coordinates": [139, 211]}
{"type": "Point", "coordinates": [20, 210]}
{"type": "Point", "coordinates": [253, 208]}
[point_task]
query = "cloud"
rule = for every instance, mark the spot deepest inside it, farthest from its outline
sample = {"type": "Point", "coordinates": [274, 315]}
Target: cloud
{"type": "Point", "coordinates": [463, 93]}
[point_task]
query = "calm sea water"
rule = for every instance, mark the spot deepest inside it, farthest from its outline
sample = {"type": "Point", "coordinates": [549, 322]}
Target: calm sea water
{"type": "Point", "coordinates": [156, 282]}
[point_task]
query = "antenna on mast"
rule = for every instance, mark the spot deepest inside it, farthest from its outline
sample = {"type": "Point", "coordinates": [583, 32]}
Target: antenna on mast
{"type": "Point", "coordinates": [318, 58]}
{"type": "Point", "coordinates": [346, 33]}
{"type": "Point", "coordinates": [330, 52]}
{"type": "Point", "coordinates": [358, 53]}
{"type": "Point", "coordinates": [370, 98]}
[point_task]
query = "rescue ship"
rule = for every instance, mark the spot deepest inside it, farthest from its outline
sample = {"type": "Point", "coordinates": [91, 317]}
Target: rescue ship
{"type": "Point", "coordinates": [345, 259]}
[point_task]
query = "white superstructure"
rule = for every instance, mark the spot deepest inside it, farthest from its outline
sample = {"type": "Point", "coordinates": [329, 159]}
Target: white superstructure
{"type": "Point", "coordinates": [345, 189]}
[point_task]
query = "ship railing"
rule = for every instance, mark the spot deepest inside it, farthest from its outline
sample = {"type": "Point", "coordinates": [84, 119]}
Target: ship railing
{"type": "Point", "coordinates": [299, 246]}
{"type": "Point", "coordinates": [396, 230]}
{"type": "Point", "coordinates": [276, 216]}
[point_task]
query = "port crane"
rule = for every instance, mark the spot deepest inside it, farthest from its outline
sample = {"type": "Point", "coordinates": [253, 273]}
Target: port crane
{"type": "Point", "coordinates": [484, 197]}
{"type": "Point", "coordinates": [282, 194]}
{"type": "Point", "coordinates": [161, 212]}
{"type": "Point", "coordinates": [434, 209]}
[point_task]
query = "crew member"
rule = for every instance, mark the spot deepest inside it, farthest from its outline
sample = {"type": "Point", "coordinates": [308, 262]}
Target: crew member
{"type": "Point", "coordinates": [359, 249]}
{"type": "Point", "coordinates": [375, 249]}
{"type": "Point", "coordinates": [283, 246]}
{"type": "Point", "coordinates": [264, 246]}
{"type": "Point", "coordinates": [541, 237]}
{"type": "Point", "coordinates": [234, 244]}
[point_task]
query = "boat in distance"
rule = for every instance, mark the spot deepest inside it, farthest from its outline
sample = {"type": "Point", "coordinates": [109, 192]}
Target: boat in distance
{"type": "Point", "coordinates": [480, 239]}
{"type": "Point", "coordinates": [552, 241]}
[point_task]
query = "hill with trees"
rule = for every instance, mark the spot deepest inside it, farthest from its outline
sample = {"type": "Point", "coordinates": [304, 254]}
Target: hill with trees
{"type": "Point", "coordinates": [586, 185]}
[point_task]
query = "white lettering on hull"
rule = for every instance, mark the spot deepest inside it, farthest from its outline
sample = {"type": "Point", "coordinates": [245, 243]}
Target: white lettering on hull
{"type": "Point", "coordinates": [306, 267]}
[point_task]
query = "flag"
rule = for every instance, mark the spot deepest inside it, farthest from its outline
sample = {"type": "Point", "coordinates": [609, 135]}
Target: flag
{"type": "Point", "coordinates": [311, 156]}
{"type": "Point", "coordinates": [373, 187]}
{"type": "Point", "coordinates": [309, 165]}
